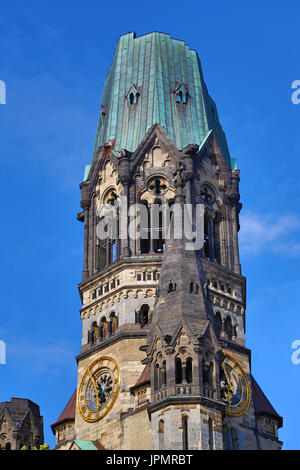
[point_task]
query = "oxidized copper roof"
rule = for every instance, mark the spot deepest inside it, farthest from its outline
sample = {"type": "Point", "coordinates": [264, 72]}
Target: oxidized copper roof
{"type": "Point", "coordinates": [89, 445]}
{"type": "Point", "coordinates": [68, 413]}
{"type": "Point", "coordinates": [156, 67]}
{"type": "Point", "coordinates": [261, 403]}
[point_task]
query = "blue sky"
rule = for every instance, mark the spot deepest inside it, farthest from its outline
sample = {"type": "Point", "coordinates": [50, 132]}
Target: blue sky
{"type": "Point", "coordinates": [54, 57]}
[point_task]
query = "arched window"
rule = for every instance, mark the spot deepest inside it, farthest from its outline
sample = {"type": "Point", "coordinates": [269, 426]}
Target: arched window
{"type": "Point", "coordinates": [210, 434]}
{"type": "Point", "coordinates": [206, 246]}
{"type": "Point", "coordinates": [157, 215]}
{"type": "Point", "coordinates": [160, 376]}
{"type": "Point", "coordinates": [131, 98]}
{"type": "Point", "coordinates": [164, 374]}
{"type": "Point", "coordinates": [172, 286]}
{"type": "Point", "coordinates": [113, 323]}
{"type": "Point", "coordinates": [216, 234]}
{"type": "Point", "coordinates": [185, 435]}
{"type": "Point", "coordinates": [207, 374]}
{"type": "Point", "coordinates": [145, 228]}
{"type": "Point", "coordinates": [219, 321]}
{"type": "Point", "coordinates": [178, 371]}
{"type": "Point", "coordinates": [132, 95]}
{"type": "Point", "coordinates": [144, 315]}
{"type": "Point", "coordinates": [108, 249]}
{"type": "Point", "coordinates": [104, 326]}
{"type": "Point", "coordinates": [95, 332]}
{"type": "Point", "coordinates": [161, 435]}
{"type": "Point", "coordinates": [189, 370]}
{"type": "Point", "coordinates": [156, 377]}
{"type": "Point", "coordinates": [228, 327]}
{"type": "Point", "coordinates": [179, 97]}
{"type": "Point", "coordinates": [211, 247]}
{"type": "Point", "coordinates": [91, 336]}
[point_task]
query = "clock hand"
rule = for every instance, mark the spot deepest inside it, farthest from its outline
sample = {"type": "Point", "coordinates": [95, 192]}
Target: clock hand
{"type": "Point", "coordinates": [95, 386]}
{"type": "Point", "coordinates": [228, 385]}
{"type": "Point", "coordinates": [227, 377]}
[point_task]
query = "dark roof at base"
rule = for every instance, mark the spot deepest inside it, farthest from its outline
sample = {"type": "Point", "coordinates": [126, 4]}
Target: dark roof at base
{"type": "Point", "coordinates": [143, 379]}
{"type": "Point", "coordinates": [68, 413]}
{"type": "Point", "coordinates": [261, 403]}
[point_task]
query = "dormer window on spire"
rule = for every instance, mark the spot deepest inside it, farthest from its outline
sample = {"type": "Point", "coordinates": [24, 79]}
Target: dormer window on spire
{"type": "Point", "coordinates": [132, 95]}
{"type": "Point", "coordinates": [181, 93]}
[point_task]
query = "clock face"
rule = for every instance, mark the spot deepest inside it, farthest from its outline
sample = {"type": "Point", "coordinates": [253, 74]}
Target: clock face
{"type": "Point", "coordinates": [236, 392]}
{"type": "Point", "coordinates": [99, 389]}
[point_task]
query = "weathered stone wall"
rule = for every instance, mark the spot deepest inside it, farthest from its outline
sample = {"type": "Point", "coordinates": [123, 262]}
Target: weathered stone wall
{"type": "Point", "coordinates": [198, 428]}
{"type": "Point", "coordinates": [109, 430]}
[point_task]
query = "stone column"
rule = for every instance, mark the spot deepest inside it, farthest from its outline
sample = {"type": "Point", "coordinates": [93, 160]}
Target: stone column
{"type": "Point", "coordinates": [125, 178]}
{"type": "Point", "coordinates": [235, 208]}
{"type": "Point", "coordinates": [85, 204]}
{"type": "Point", "coordinates": [234, 217]}
{"type": "Point", "coordinates": [125, 250]}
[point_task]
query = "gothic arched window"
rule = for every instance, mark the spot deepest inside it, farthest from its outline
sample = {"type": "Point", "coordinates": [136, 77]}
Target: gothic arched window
{"type": "Point", "coordinates": [161, 435]}
{"type": "Point", "coordinates": [145, 227]}
{"type": "Point", "coordinates": [228, 327]}
{"type": "Point", "coordinates": [95, 332]}
{"type": "Point", "coordinates": [172, 286]}
{"type": "Point", "coordinates": [178, 371]}
{"type": "Point", "coordinates": [219, 321]}
{"type": "Point", "coordinates": [157, 230]}
{"type": "Point", "coordinates": [104, 327]}
{"type": "Point", "coordinates": [179, 97]}
{"type": "Point", "coordinates": [207, 374]}
{"type": "Point", "coordinates": [156, 377]}
{"type": "Point", "coordinates": [164, 374]}
{"type": "Point", "coordinates": [113, 323]}
{"type": "Point", "coordinates": [185, 435]}
{"type": "Point", "coordinates": [181, 94]}
{"type": "Point", "coordinates": [210, 435]}
{"type": "Point", "coordinates": [206, 236]}
{"type": "Point", "coordinates": [108, 247]}
{"type": "Point", "coordinates": [132, 94]}
{"type": "Point", "coordinates": [144, 315]}
{"type": "Point", "coordinates": [189, 370]}
{"type": "Point", "coordinates": [216, 238]}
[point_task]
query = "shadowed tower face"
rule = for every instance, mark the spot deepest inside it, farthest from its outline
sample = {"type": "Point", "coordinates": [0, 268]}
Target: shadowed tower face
{"type": "Point", "coordinates": [163, 361]}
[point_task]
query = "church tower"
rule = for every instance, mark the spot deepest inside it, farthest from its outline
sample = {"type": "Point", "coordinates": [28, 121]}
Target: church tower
{"type": "Point", "coordinates": [163, 361]}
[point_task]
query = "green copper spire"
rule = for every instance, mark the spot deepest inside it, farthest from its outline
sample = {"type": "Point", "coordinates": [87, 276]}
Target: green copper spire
{"type": "Point", "coordinates": [156, 79]}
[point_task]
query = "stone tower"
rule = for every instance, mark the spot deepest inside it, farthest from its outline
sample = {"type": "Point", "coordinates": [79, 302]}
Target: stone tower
{"type": "Point", "coordinates": [163, 361]}
{"type": "Point", "coordinates": [21, 424]}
